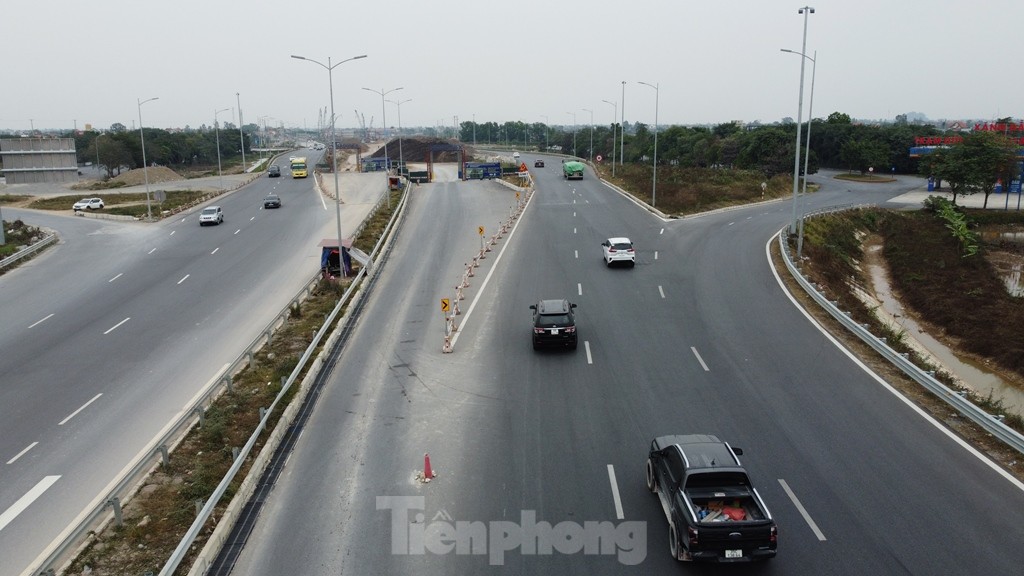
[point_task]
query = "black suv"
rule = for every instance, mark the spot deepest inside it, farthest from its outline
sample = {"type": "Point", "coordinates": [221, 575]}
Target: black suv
{"type": "Point", "coordinates": [274, 171]}
{"type": "Point", "coordinates": [554, 324]}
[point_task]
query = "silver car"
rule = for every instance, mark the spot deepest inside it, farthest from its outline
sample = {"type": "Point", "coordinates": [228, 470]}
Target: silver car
{"type": "Point", "coordinates": [211, 215]}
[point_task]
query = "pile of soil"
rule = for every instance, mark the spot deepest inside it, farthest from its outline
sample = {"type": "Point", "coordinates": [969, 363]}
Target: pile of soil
{"type": "Point", "coordinates": [136, 177]}
{"type": "Point", "coordinates": [417, 150]}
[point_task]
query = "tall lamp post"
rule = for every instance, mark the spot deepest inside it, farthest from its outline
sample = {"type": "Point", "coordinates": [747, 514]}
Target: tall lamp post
{"type": "Point", "coordinates": [654, 177]}
{"type": "Point", "coordinates": [591, 133]}
{"type": "Point", "coordinates": [615, 115]}
{"type": "Point", "coordinates": [216, 129]}
{"type": "Point", "coordinates": [807, 149]}
{"type": "Point", "coordinates": [573, 132]}
{"type": "Point", "coordinates": [334, 140]}
{"type": "Point", "coordinates": [401, 157]}
{"type": "Point", "coordinates": [622, 128]}
{"type": "Point", "coordinates": [145, 171]}
{"type": "Point", "coordinates": [241, 134]}
{"type": "Point", "coordinates": [806, 11]}
{"type": "Point", "coordinates": [546, 122]}
{"type": "Point", "coordinates": [384, 126]}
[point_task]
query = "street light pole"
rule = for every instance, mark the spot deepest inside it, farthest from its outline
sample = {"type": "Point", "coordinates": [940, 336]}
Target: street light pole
{"type": "Point", "coordinates": [145, 171]}
{"type": "Point", "coordinates": [384, 126]}
{"type": "Point", "coordinates": [806, 11]}
{"type": "Point", "coordinates": [622, 128]}
{"type": "Point", "coordinates": [573, 132]}
{"type": "Point", "coordinates": [241, 134]}
{"type": "Point", "coordinates": [401, 157]}
{"type": "Point", "coordinates": [654, 178]}
{"type": "Point", "coordinates": [591, 134]}
{"type": "Point", "coordinates": [807, 148]}
{"type": "Point", "coordinates": [615, 115]}
{"type": "Point", "coordinates": [545, 132]}
{"type": "Point", "coordinates": [216, 129]}
{"type": "Point", "coordinates": [334, 143]}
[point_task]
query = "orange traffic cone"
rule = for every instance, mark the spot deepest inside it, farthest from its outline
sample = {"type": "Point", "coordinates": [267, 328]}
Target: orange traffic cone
{"type": "Point", "coordinates": [427, 472]}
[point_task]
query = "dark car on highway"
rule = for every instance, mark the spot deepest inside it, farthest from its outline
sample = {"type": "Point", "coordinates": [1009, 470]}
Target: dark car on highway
{"type": "Point", "coordinates": [274, 171]}
{"type": "Point", "coordinates": [538, 163]}
{"type": "Point", "coordinates": [554, 324]}
{"type": "Point", "coordinates": [272, 201]}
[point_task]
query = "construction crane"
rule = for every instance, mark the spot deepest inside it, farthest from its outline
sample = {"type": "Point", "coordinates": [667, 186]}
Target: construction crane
{"type": "Point", "coordinates": [362, 126]}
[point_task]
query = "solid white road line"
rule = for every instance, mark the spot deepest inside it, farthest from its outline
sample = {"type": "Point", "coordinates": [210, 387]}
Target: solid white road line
{"type": "Point", "coordinates": [699, 359]}
{"type": "Point", "coordinates": [615, 493]}
{"type": "Point", "coordinates": [802, 510]}
{"type": "Point", "coordinates": [579, 289]}
{"type": "Point", "coordinates": [84, 406]}
{"type": "Point", "coordinates": [586, 346]}
{"type": "Point", "coordinates": [115, 326]}
{"type": "Point", "coordinates": [38, 322]}
{"type": "Point", "coordinates": [22, 453]}
{"type": "Point", "coordinates": [116, 277]}
{"type": "Point", "coordinates": [183, 278]}
{"type": "Point", "coordinates": [25, 501]}
{"type": "Point", "coordinates": [661, 291]}
{"type": "Point", "coordinates": [214, 251]}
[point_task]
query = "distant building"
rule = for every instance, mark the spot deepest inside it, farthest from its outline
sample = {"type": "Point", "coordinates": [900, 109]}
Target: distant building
{"type": "Point", "coordinates": [32, 160]}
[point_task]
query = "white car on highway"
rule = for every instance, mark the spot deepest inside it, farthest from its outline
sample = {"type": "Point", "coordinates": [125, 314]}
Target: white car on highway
{"type": "Point", "coordinates": [211, 215]}
{"type": "Point", "coordinates": [618, 249]}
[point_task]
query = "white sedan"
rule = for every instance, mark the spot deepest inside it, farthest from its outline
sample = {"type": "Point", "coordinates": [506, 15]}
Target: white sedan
{"type": "Point", "coordinates": [618, 250]}
{"type": "Point", "coordinates": [88, 204]}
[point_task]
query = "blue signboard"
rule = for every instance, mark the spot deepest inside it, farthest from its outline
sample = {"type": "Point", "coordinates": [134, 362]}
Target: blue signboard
{"type": "Point", "coordinates": [483, 170]}
{"type": "Point", "coordinates": [375, 164]}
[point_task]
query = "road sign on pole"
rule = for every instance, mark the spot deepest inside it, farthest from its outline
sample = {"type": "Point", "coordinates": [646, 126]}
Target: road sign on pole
{"type": "Point", "coordinates": [445, 305]}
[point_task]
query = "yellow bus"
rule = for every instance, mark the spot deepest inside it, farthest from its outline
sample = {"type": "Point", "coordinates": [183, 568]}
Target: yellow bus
{"type": "Point", "coordinates": [299, 167]}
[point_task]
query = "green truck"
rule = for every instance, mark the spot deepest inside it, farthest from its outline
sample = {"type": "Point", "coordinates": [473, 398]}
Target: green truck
{"type": "Point", "coordinates": [572, 170]}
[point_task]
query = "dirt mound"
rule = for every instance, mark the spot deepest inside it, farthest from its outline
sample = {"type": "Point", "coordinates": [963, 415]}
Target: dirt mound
{"type": "Point", "coordinates": [155, 174]}
{"type": "Point", "coordinates": [417, 150]}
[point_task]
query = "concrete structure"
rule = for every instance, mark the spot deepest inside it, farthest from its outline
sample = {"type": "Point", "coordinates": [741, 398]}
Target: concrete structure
{"type": "Point", "coordinates": [33, 160]}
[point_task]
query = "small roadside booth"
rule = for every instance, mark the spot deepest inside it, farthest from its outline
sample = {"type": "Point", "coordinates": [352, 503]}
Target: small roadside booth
{"type": "Point", "coordinates": [331, 261]}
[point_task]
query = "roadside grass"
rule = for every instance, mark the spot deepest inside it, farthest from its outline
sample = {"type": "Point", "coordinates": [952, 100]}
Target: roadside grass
{"type": "Point", "coordinates": [165, 506]}
{"type": "Point", "coordinates": [130, 204]}
{"type": "Point", "coordinates": [682, 191]}
{"type": "Point", "coordinates": [964, 297]}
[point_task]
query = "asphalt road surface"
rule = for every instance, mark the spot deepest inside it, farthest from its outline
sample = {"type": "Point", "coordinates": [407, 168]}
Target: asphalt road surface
{"type": "Point", "coordinates": [106, 337]}
{"type": "Point", "coordinates": [540, 454]}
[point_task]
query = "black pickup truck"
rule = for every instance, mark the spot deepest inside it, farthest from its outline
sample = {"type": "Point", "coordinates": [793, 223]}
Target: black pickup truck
{"type": "Point", "coordinates": [714, 513]}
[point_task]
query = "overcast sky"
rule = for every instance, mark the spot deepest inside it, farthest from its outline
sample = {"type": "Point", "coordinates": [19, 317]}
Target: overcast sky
{"type": "Point", "coordinates": [68, 62]}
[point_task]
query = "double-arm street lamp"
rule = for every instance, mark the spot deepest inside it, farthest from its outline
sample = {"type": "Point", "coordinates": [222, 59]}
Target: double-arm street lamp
{"type": "Point", "coordinates": [145, 172]}
{"type": "Point", "coordinates": [615, 115]}
{"type": "Point", "coordinates": [384, 125]}
{"type": "Point", "coordinates": [654, 177]}
{"type": "Point", "coordinates": [806, 11]}
{"type": "Point", "coordinates": [334, 140]}
{"type": "Point", "coordinates": [216, 129]}
{"type": "Point", "coordinates": [807, 148]}
{"type": "Point", "coordinates": [591, 133]}
{"type": "Point", "coordinates": [573, 132]}
{"type": "Point", "coordinates": [401, 157]}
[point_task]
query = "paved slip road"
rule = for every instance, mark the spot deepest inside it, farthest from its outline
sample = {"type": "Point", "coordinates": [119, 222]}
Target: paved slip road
{"type": "Point", "coordinates": [108, 335]}
{"type": "Point", "coordinates": [698, 337]}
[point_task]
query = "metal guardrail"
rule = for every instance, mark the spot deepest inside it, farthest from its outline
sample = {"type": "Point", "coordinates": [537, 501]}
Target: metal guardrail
{"type": "Point", "coordinates": [28, 251]}
{"type": "Point", "coordinates": [990, 423]}
{"type": "Point", "coordinates": [107, 505]}
{"type": "Point", "coordinates": [226, 521]}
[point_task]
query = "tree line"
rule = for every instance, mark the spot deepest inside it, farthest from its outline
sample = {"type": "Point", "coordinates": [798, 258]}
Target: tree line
{"type": "Point", "coordinates": [835, 142]}
{"type": "Point", "coordinates": [121, 149]}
